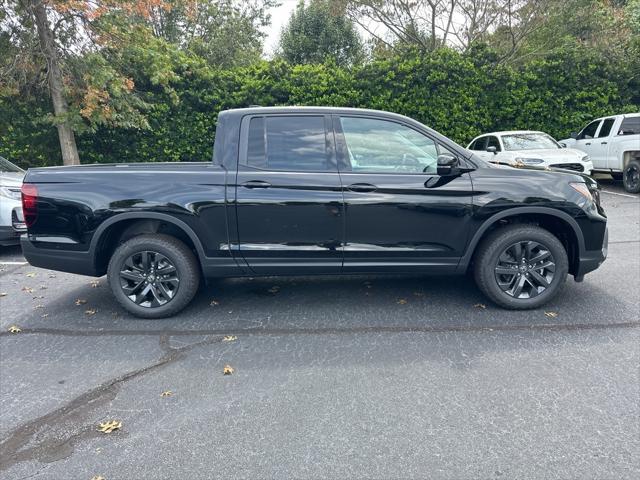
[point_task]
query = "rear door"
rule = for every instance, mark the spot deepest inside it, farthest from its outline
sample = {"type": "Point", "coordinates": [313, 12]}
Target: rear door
{"type": "Point", "coordinates": [401, 216]}
{"type": "Point", "coordinates": [289, 203]}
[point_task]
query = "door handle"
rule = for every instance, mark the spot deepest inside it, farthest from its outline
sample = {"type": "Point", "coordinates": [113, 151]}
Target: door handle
{"type": "Point", "coordinates": [588, 143]}
{"type": "Point", "coordinates": [256, 184]}
{"type": "Point", "coordinates": [603, 143]}
{"type": "Point", "coordinates": [362, 187]}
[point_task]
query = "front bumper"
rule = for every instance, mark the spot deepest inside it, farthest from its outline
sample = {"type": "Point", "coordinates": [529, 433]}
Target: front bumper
{"type": "Point", "coordinates": [592, 259]}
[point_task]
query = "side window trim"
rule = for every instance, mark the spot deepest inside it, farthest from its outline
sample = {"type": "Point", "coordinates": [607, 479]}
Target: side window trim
{"type": "Point", "coordinates": [244, 142]}
{"type": "Point", "coordinates": [344, 165]}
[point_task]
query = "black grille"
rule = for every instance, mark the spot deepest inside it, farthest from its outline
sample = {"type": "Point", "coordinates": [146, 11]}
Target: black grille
{"type": "Point", "coordinates": [576, 167]}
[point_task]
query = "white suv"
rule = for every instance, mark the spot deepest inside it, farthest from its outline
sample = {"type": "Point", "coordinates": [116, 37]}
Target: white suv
{"type": "Point", "coordinates": [11, 220]}
{"type": "Point", "coordinates": [528, 147]}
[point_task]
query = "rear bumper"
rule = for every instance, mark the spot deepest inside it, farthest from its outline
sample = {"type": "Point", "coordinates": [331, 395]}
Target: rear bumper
{"type": "Point", "coordinates": [71, 261]}
{"type": "Point", "coordinates": [592, 259]}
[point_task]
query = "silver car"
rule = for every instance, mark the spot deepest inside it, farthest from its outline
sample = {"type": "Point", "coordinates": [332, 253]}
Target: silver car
{"type": "Point", "coordinates": [11, 220]}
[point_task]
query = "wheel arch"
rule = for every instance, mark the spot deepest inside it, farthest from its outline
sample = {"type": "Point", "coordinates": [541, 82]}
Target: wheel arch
{"type": "Point", "coordinates": [128, 225]}
{"type": "Point", "coordinates": [559, 223]}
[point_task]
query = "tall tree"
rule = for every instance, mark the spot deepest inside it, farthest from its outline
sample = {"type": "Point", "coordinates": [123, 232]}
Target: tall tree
{"type": "Point", "coordinates": [318, 31]}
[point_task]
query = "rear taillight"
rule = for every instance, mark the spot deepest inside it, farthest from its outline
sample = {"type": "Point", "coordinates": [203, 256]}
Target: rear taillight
{"type": "Point", "coordinates": [29, 203]}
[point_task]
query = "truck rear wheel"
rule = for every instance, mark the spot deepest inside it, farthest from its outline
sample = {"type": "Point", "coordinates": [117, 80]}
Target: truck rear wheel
{"type": "Point", "coordinates": [521, 266]}
{"type": "Point", "coordinates": [631, 176]}
{"type": "Point", "coordinates": [153, 276]}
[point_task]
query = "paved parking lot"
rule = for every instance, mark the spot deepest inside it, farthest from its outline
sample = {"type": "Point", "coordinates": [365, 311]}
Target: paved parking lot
{"type": "Point", "coordinates": [362, 377]}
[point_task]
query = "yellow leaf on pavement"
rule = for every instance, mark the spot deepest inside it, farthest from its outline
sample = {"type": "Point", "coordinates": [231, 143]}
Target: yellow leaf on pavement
{"type": "Point", "coordinates": [227, 370]}
{"type": "Point", "coordinates": [229, 338]}
{"type": "Point", "coordinates": [166, 393]}
{"type": "Point", "coordinates": [80, 301]}
{"type": "Point", "coordinates": [15, 329]}
{"type": "Point", "coordinates": [109, 426]}
{"type": "Point", "coordinates": [551, 314]}
{"type": "Point", "coordinates": [90, 311]}
{"type": "Point", "coordinates": [401, 301]}
{"type": "Point", "coordinates": [480, 305]}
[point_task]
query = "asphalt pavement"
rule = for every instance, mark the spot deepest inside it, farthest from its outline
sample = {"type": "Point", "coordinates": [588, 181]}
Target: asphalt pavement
{"type": "Point", "coordinates": [333, 377]}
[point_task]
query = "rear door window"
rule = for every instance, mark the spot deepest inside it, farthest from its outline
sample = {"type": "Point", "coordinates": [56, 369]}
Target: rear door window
{"type": "Point", "coordinates": [289, 143]}
{"type": "Point", "coordinates": [605, 130]}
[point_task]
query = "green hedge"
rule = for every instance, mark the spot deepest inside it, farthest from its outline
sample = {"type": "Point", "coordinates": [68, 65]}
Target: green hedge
{"type": "Point", "coordinates": [460, 95]}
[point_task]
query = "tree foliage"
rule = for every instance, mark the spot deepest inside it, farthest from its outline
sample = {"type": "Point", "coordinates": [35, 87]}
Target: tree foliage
{"type": "Point", "coordinates": [320, 31]}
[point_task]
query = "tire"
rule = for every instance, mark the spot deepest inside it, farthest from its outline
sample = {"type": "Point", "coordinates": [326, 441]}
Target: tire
{"type": "Point", "coordinates": [157, 295]}
{"type": "Point", "coordinates": [631, 176]}
{"type": "Point", "coordinates": [496, 254]}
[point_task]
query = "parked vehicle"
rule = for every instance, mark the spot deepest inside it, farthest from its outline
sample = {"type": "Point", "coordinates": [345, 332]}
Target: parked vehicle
{"type": "Point", "coordinates": [528, 147]}
{"type": "Point", "coordinates": [313, 190]}
{"type": "Point", "coordinates": [11, 222]}
{"type": "Point", "coordinates": [613, 144]}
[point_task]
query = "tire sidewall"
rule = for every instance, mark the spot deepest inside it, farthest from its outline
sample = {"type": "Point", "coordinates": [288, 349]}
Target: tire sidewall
{"type": "Point", "coordinates": [625, 177]}
{"type": "Point", "coordinates": [183, 267]}
{"type": "Point", "coordinates": [546, 239]}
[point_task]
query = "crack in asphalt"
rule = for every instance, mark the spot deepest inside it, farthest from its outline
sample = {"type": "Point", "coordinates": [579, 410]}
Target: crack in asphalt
{"type": "Point", "coordinates": [329, 330]}
{"type": "Point", "coordinates": [52, 437]}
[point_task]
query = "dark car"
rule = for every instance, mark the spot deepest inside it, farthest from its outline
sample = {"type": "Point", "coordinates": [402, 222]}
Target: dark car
{"type": "Point", "coordinates": [313, 190]}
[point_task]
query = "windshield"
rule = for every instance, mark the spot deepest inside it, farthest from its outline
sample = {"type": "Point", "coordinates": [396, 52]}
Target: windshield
{"type": "Point", "coordinates": [7, 166]}
{"type": "Point", "coordinates": [528, 141]}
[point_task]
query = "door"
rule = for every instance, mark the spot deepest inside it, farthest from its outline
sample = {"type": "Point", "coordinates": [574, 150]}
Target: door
{"type": "Point", "coordinates": [289, 203]}
{"type": "Point", "coordinates": [599, 149]}
{"type": "Point", "coordinates": [586, 138]}
{"type": "Point", "coordinates": [400, 215]}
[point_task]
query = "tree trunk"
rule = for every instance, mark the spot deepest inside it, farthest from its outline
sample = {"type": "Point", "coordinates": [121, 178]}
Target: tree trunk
{"type": "Point", "coordinates": [56, 84]}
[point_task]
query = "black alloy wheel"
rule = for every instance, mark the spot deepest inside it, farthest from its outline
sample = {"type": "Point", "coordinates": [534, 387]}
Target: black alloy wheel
{"type": "Point", "coordinates": [525, 269]}
{"type": "Point", "coordinates": [149, 279]}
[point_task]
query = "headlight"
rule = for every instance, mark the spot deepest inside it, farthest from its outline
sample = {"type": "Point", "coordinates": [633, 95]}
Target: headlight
{"type": "Point", "coordinates": [529, 161]}
{"type": "Point", "coordinates": [582, 189]}
{"type": "Point", "coordinates": [10, 192]}
{"type": "Point", "coordinates": [585, 158]}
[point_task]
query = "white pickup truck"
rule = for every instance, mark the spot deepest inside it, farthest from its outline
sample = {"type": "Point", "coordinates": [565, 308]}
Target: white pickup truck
{"type": "Point", "coordinates": [613, 144]}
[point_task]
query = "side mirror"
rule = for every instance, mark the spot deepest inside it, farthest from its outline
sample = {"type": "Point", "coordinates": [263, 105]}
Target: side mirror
{"type": "Point", "coordinates": [574, 135]}
{"type": "Point", "coordinates": [446, 164]}
{"type": "Point", "coordinates": [493, 150]}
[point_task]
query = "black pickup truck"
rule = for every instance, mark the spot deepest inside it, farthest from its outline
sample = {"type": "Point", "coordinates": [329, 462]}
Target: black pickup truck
{"type": "Point", "coordinates": [314, 190]}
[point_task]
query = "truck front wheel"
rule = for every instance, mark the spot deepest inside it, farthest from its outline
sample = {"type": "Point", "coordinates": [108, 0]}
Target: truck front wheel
{"type": "Point", "coordinates": [521, 266]}
{"type": "Point", "coordinates": [153, 276]}
{"type": "Point", "coordinates": [631, 176]}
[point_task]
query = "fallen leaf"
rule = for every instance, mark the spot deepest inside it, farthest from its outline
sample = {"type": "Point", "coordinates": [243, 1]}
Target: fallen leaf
{"type": "Point", "coordinates": [480, 305]}
{"type": "Point", "coordinates": [27, 289]}
{"type": "Point", "coordinates": [274, 289]}
{"type": "Point", "coordinates": [51, 275]}
{"type": "Point", "coordinates": [80, 301]}
{"type": "Point", "coordinates": [227, 370]}
{"type": "Point", "coordinates": [30, 274]}
{"type": "Point", "coordinates": [15, 329]}
{"type": "Point", "coordinates": [551, 314]}
{"type": "Point", "coordinates": [38, 307]}
{"type": "Point", "coordinates": [166, 393]}
{"type": "Point", "coordinates": [3, 294]}
{"type": "Point", "coordinates": [95, 284]}
{"type": "Point", "coordinates": [43, 287]}
{"type": "Point", "coordinates": [109, 426]}
{"type": "Point", "coordinates": [44, 315]}
{"type": "Point", "coordinates": [214, 303]}
{"type": "Point", "coordinates": [402, 301]}
{"type": "Point", "coordinates": [90, 311]}
{"type": "Point", "coordinates": [97, 477]}
{"type": "Point", "coordinates": [229, 338]}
